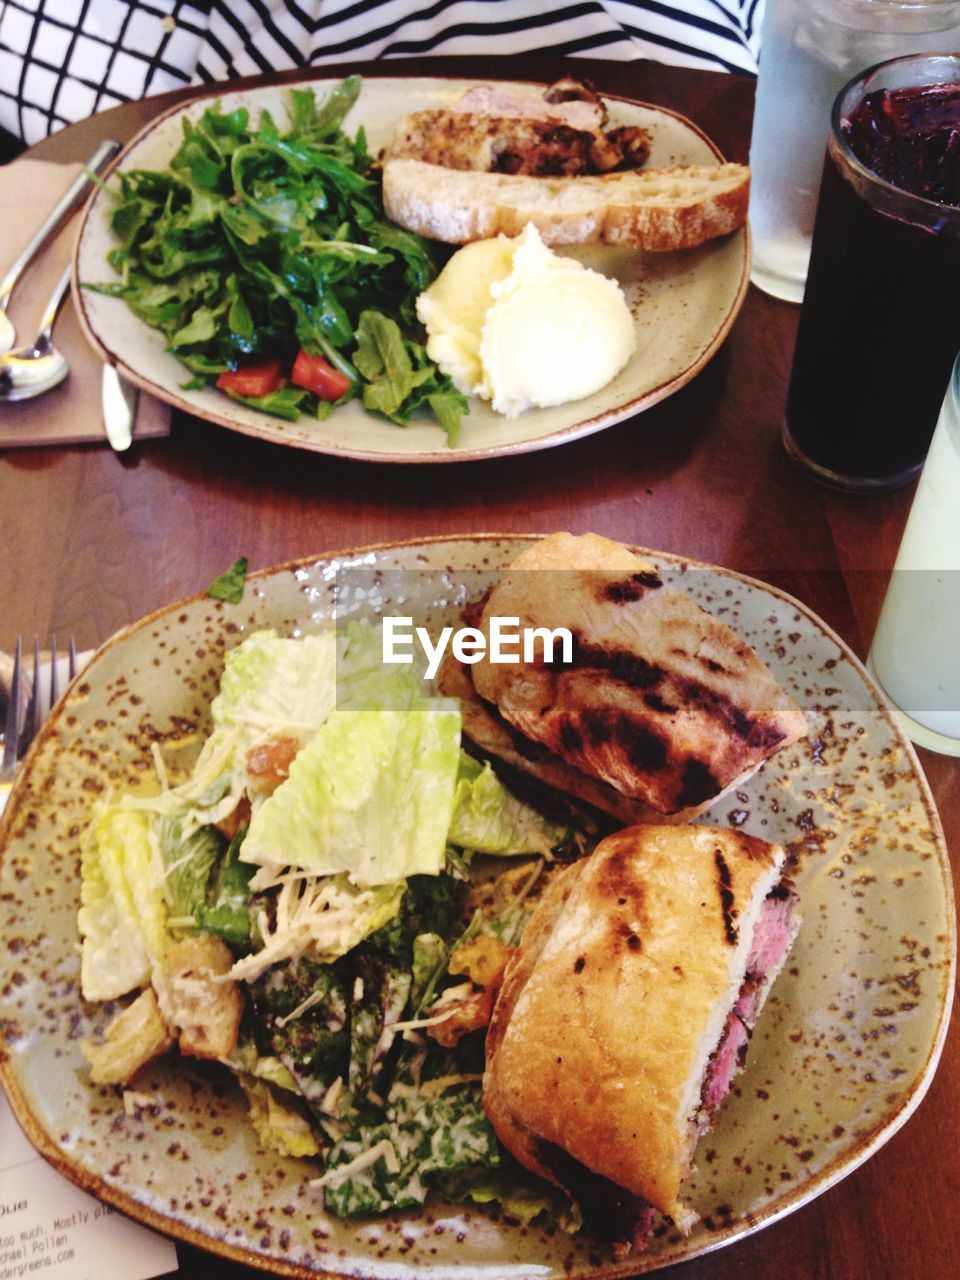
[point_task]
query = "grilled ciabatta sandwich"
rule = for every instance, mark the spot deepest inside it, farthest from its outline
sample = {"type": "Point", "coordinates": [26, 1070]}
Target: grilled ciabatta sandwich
{"type": "Point", "coordinates": [662, 704]}
{"type": "Point", "coordinates": [627, 1011]}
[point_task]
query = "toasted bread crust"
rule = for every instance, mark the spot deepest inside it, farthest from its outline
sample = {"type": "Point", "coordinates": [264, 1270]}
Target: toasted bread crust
{"type": "Point", "coordinates": [195, 998]}
{"type": "Point", "coordinates": [609, 1012]}
{"type": "Point", "coordinates": [132, 1040]}
{"type": "Point", "coordinates": [654, 209]}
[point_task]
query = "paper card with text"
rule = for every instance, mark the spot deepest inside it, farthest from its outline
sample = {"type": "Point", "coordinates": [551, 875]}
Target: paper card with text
{"type": "Point", "coordinates": [50, 1228]}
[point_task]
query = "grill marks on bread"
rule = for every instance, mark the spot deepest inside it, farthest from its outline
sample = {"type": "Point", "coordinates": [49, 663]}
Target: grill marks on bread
{"type": "Point", "coordinates": [498, 144]}
{"type": "Point", "coordinates": [604, 1028]}
{"type": "Point", "coordinates": [724, 885]}
{"type": "Point", "coordinates": [495, 738]}
{"type": "Point", "coordinates": [659, 699]}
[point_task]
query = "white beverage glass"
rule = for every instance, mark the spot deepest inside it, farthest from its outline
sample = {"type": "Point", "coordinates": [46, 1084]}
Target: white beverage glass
{"type": "Point", "coordinates": [915, 655]}
{"type": "Point", "coordinates": [809, 50]}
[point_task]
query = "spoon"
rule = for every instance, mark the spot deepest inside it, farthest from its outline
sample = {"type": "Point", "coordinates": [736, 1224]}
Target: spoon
{"type": "Point", "coordinates": [65, 205]}
{"type": "Point", "coordinates": [31, 370]}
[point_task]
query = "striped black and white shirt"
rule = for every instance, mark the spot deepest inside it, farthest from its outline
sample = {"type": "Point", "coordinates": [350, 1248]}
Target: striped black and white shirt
{"type": "Point", "coordinates": [62, 60]}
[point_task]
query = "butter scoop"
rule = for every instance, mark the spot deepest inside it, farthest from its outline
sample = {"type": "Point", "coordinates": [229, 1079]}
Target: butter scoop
{"type": "Point", "coordinates": [511, 321]}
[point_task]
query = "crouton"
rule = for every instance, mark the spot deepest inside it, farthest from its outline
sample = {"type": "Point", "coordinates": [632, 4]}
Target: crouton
{"type": "Point", "coordinates": [197, 1001]}
{"type": "Point", "coordinates": [134, 1038]}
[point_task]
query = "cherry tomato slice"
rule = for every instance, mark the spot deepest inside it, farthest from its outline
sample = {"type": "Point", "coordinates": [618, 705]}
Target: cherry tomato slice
{"type": "Point", "coordinates": [318, 375]}
{"type": "Point", "coordinates": [253, 380]}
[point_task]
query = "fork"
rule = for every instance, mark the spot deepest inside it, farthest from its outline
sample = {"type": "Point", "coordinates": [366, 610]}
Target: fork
{"type": "Point", "coordinates": [22, 722]}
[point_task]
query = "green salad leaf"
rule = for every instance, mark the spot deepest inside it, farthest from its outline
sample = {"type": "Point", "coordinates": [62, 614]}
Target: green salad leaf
{"type": "Point", "coordinates": [225, 909]}
{"type": "Point", "coordinates": [123, 910]}
{"type": "Point", "coordinates": [487, 818]}
{"type": "Point", "coordinates": [229, 585]}
{"type": "Point", "coordinates": [392, 1165]}
{"type": "Point", "coordinates": [401, 377]}
{"type": "Point", "coordinates": [189, 864]}
{"type": "Point", "coordinates": [370, 795]}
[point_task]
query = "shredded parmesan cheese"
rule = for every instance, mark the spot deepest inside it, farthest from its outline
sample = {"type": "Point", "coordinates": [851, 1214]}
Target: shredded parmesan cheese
{"type": "Point", "coordinates": [416, 1024]}
{"type": "Point", "coordinates": [312, 913]}
{"type": "Point", "coordinates": [334, 1177]}
{"type": "Point", "coordinates": [330, 1102]}
{"type": "Point", "coordinates": [160, 765]}
{"type": "Point", "coordinates": [431, 1088]}
{"type": "Point", "coordinates": [313, 998]}
{"type": "Point", "coordinates": [453, 994]}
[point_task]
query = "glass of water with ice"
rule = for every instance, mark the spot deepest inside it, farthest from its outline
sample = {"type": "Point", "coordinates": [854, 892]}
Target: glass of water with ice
{"type": "Point", "coordinates": [809, 50]}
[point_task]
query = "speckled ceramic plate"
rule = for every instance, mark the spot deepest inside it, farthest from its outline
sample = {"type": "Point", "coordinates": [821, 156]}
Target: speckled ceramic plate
{"type": "Point", "coordinates": [683, 303]}
{"type": "Point", "coordinates": [844, 1051]}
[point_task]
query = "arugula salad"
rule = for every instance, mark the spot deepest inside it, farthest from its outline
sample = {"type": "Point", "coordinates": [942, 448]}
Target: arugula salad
{"type": "Point", "coordinates": [264, 256]}
{"type": "Point", "coordinates": [325, 905]}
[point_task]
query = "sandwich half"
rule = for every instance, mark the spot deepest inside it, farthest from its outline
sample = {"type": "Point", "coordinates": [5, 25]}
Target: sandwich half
{"type": "Point", "coordinates": [659, 701]}
{"type": "Point", "coordinates": [627, 1011]}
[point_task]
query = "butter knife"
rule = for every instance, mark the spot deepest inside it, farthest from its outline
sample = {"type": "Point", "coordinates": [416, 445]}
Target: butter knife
{"type": "Point", "coordinates": [119, 400]}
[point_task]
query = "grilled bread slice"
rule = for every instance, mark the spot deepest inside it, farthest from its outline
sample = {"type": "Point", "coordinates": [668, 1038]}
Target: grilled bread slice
{"type": "Point", "coordinates": [661, 700]}
{"type": "Point", "coordinates": [658, 210]}
{"type": "Point", "coordinates": [529, 766]}
{"type": "Point", "coordinates": [618, 1011]}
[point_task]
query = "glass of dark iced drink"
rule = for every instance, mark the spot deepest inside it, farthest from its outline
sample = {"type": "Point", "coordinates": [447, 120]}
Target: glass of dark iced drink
{"type": "Point", "coordinates": [880, 325]}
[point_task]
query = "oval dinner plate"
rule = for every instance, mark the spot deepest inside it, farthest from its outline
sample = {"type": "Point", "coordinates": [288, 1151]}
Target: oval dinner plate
{"type": "Point", "coordinates": [845, 1049]}
{"type": "Point", "coordinates": [683, 303]}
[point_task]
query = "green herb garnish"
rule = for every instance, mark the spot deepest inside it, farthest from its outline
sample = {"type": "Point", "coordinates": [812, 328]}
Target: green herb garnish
{"type": "Point", "coordinates": [229, 586]}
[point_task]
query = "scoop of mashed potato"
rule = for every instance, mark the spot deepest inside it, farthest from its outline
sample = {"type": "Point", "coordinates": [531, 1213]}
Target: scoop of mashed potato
{"type": "Point", "coordinates": [514, 323]}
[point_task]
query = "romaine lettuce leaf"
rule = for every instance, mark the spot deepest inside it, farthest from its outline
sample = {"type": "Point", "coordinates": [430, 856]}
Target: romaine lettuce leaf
{"type": "Point", "coordinates": [520, 1194]}
{"type": "Point", "coordinates": [488, 819]}
{"type": "Point", "coordinates": [225, 910]}
{"type": "Point", "coordinates": [370, 796]}
{"type": "Point", "coordinates": [247, 1059]}
{"type": "Point", "coordinates": [122, 919]}
{"type": "Point", "coordinates": [272, 687]}
{"type": "Point", "coordinates": [279, 1124]}
{"type": "Point", "coordinates": [365, 682]}
{"type": "Point", "coordinates": [188, 864]}
{"type": "Point", "coordinates": [278, 686]}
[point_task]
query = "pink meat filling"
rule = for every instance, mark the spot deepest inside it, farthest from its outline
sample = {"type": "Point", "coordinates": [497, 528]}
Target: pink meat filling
{"type": "Point", "coordinates": [771, 941]}
{"type": "Point", "coordinates": [772, 936]}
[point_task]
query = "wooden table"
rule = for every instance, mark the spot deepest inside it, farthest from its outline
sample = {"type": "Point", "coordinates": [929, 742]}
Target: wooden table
{"type": "Point", "coordinates": [91, 541]}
